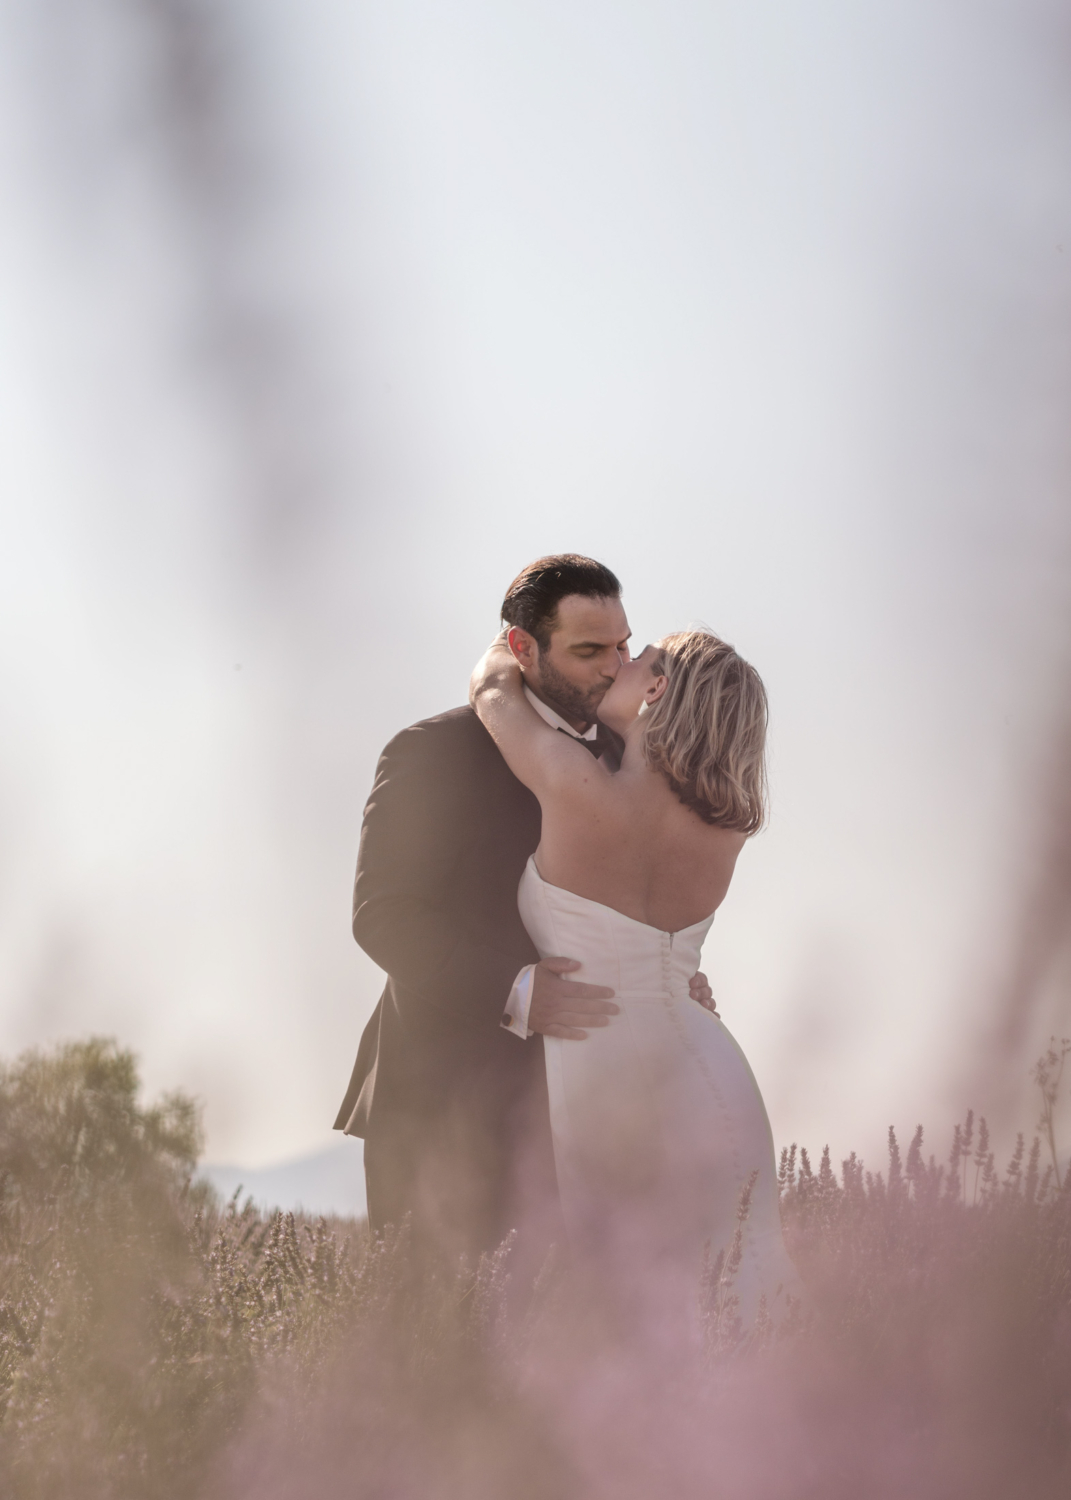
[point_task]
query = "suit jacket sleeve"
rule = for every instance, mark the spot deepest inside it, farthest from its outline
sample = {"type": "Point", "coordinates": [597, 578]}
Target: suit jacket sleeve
{"type": "Point", "coordinates": [415, 825]}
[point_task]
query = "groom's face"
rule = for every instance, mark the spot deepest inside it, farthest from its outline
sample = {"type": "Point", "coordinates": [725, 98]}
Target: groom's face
{"type": "Point", "coordinates": [586, 648]}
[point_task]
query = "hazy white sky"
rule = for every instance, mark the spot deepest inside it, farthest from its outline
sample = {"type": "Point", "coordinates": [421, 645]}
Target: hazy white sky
{"type": "Point", "coordinates": [318, 321]}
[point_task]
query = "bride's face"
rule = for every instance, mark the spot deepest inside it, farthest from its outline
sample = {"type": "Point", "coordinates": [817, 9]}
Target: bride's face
{"type": "Point", "coordinates": [638, 682]}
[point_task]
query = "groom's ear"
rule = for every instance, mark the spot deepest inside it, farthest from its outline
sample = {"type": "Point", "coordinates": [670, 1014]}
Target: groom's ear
{"type": "Point", "coordinates": [523, 646]}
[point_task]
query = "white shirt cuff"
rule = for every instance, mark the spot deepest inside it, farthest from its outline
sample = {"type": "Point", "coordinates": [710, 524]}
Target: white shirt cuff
{"type": "Point", "coordinates": [515, 1018]}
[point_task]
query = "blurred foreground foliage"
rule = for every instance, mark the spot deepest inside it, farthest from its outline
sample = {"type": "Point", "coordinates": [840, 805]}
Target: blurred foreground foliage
{"type": "Point", "coordinates": [157, 1345]}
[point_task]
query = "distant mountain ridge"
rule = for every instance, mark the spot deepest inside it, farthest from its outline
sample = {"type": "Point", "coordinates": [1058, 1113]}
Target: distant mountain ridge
{"type": "Point", "coordinates": [329, 1182]}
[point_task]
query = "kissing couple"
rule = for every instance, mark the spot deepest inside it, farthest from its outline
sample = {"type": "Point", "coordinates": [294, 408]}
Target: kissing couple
{"type": "Point", "coordinates": [537, 873]}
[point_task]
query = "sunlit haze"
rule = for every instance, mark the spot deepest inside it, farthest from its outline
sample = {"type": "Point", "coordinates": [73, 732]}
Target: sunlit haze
{"type": "Point", "coordinates": [318, 321]}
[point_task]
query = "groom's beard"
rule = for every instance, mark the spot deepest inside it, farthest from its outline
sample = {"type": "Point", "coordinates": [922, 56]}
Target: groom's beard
{"type": "Point", "coordinates": [573, 703]}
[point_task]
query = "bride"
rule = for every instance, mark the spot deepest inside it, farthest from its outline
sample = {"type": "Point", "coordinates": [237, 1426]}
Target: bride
{"type": "Point", "coordinates": [658, 1124]}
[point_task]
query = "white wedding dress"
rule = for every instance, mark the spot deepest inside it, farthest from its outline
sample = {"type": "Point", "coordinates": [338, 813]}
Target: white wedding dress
{"type": "Point", "coordinates": [657, 1120]}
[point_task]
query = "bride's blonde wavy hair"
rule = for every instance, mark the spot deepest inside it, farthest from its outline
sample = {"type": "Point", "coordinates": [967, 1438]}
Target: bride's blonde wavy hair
{"type": "Point", "coordinates": [707, 732]}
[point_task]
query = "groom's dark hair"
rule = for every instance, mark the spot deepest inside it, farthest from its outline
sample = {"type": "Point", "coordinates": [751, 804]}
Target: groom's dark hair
{"type": "Point", "coordinates": [532, 599]}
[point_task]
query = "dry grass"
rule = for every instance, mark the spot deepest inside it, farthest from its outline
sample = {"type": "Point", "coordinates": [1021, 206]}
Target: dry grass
{"type": "Point", "coordinates": [154, 1343]}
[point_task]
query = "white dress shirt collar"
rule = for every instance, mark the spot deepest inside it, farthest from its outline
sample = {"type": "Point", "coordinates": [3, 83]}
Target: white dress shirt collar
{"type": "Point", "coordinates": [555, 720]}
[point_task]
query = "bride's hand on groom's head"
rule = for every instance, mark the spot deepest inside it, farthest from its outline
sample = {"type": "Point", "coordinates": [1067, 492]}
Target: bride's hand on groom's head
{"type": "Point", "coordinates": [564, 1007]}
{"type": "Point", "coordinates": [496, 661]}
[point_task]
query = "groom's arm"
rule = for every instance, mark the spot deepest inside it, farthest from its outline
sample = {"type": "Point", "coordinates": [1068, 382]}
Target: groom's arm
{"type": "Point", "coordinates": [414, 827]}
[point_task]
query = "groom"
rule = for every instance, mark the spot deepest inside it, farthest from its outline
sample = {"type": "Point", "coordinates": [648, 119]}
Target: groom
{"type": "Point", "coordinates": [449, 1088]}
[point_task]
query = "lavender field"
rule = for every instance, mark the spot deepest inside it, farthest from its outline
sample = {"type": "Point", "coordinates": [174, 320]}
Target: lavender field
{"type": "Point", "coordinates": [156, 1343]}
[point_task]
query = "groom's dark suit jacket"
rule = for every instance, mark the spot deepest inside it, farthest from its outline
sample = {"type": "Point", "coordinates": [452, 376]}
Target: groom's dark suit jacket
{"type": "Point", "coordinates": [452, 1107]}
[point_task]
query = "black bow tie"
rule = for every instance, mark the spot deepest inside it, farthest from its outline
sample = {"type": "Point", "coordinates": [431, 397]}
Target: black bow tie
{"type": "Point", "coordinates": [604, 743]}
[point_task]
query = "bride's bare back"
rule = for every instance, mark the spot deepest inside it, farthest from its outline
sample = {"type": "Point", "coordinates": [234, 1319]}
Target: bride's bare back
{"type": "Point", "coordinates": [627, 841]}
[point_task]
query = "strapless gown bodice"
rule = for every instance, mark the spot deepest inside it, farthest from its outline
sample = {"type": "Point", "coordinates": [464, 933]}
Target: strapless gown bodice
{"type": "Point", "coordinates": [639, 962]}
{"type": "Point", "coordinates": [657, 1121]}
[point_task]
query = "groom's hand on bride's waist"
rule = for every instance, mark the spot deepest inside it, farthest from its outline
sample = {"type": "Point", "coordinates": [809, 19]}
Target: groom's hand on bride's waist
{"type": "Point", "coordinates": [700, 991]}
{"type": "Point", "coordinates": [564, 1007]}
